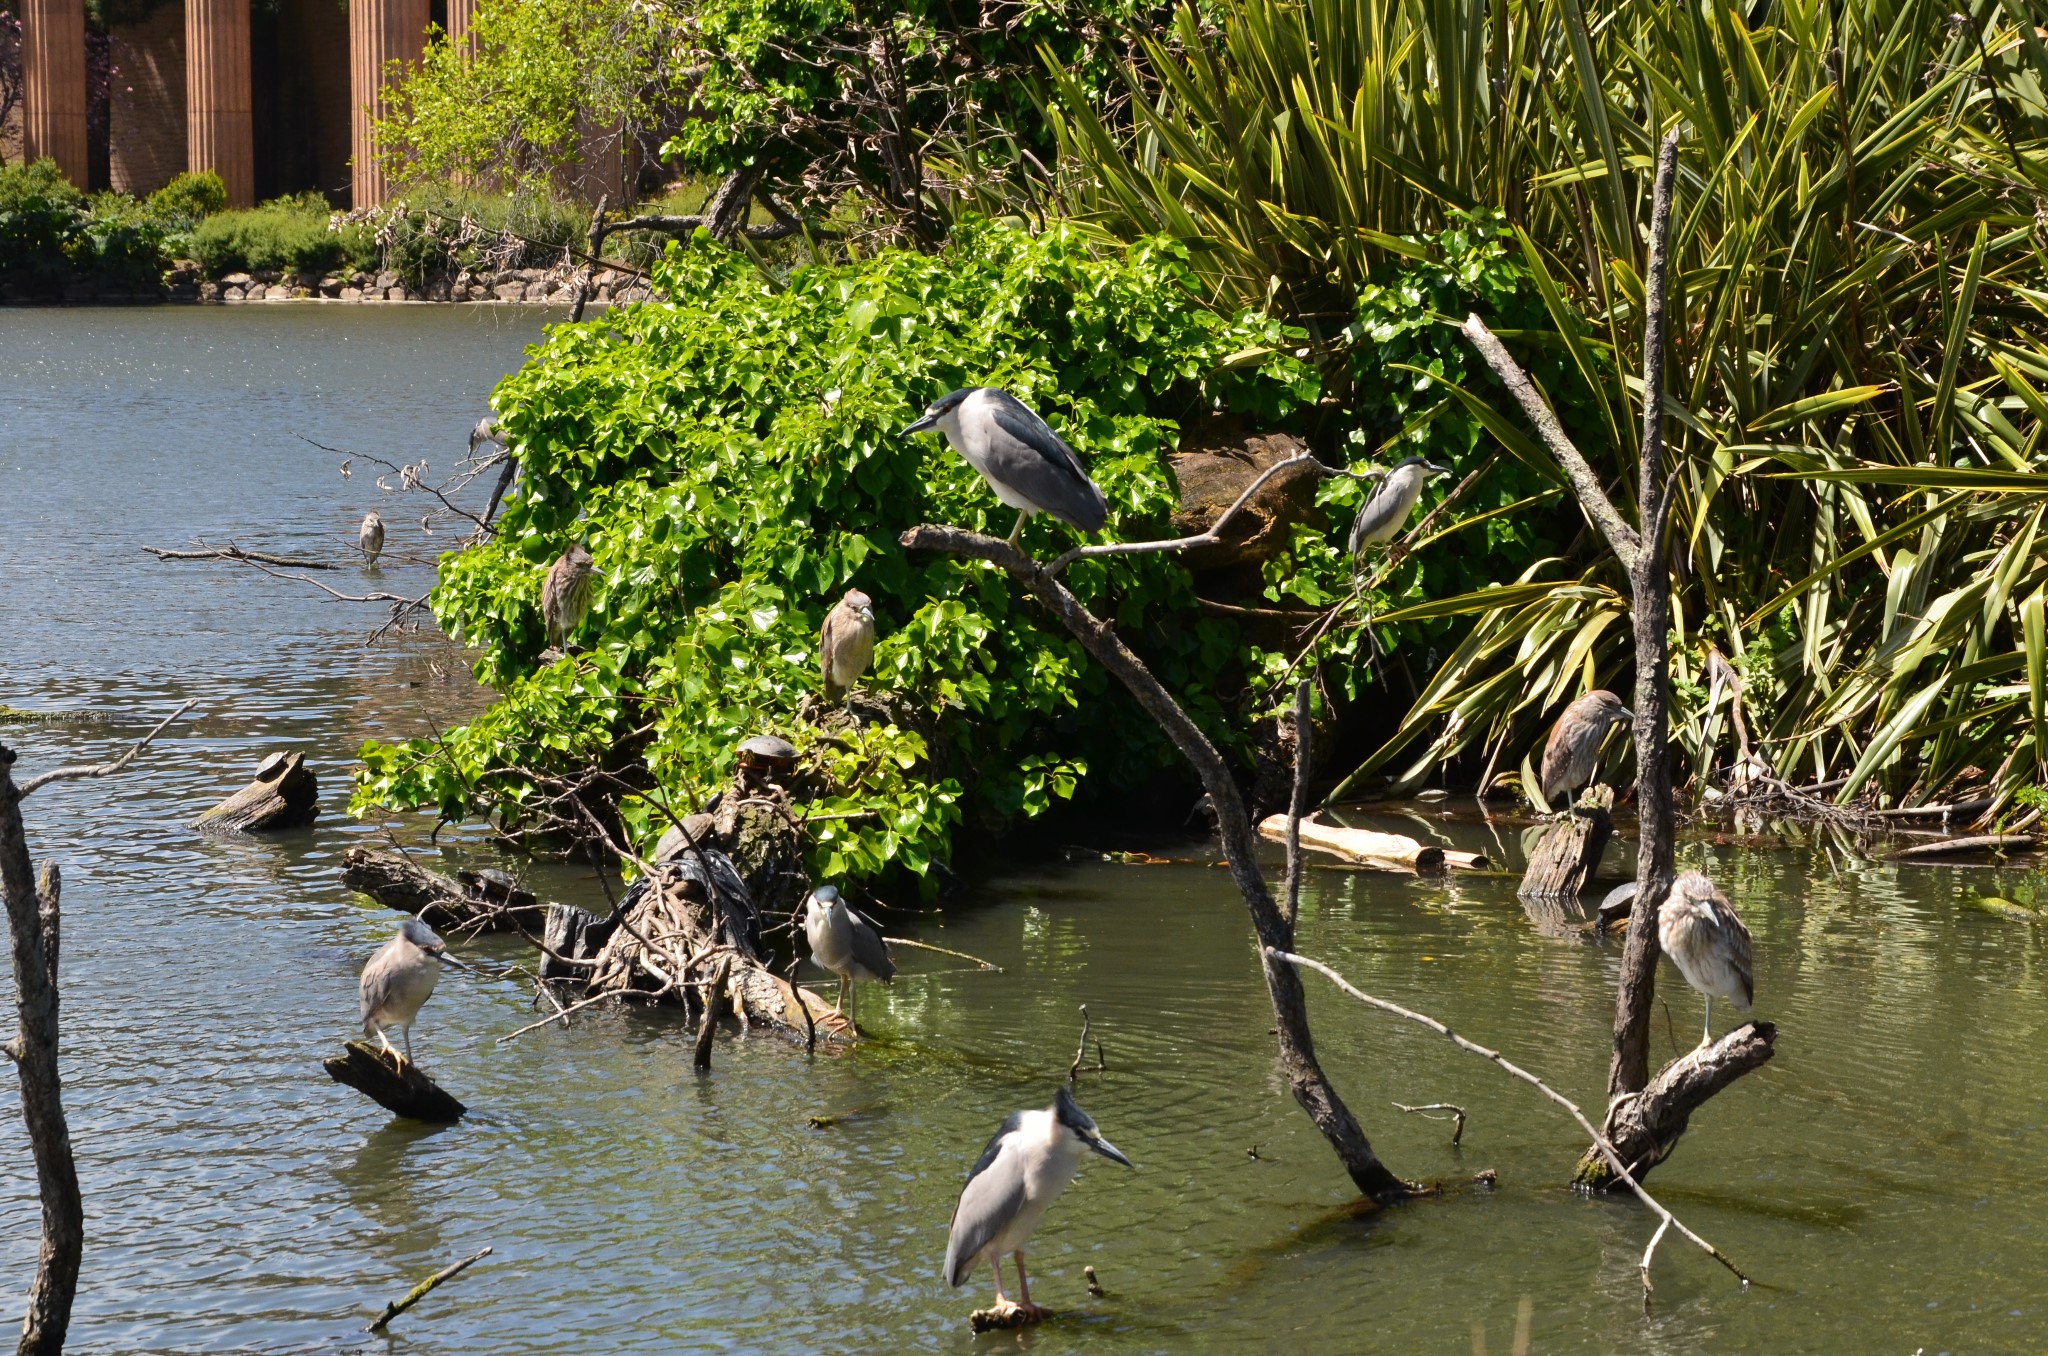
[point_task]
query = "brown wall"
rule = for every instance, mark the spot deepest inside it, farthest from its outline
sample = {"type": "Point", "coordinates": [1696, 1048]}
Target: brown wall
{"type": "Point", "coordinates": [146, 106]}
{"type": "Point", "coordinates": [312, 47]}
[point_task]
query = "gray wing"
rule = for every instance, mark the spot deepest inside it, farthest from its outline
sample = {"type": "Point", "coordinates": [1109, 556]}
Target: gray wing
{"type": "Point", "coordinates": [870, 950]}
{"type": "Point", "coordinates": [375, 987]}
{"type": "Point", "coordinates": [1373, 516]}
{"type": "Point", "coordinates": [990, 1199]}
{"type": "Point", "coordinates": [1740, 958]}
{"type": "Point", "coordinates": [1053, 478]}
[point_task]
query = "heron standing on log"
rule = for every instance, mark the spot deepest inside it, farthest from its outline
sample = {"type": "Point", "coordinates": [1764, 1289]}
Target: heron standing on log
{"type": "Point", "coordinates": [565, 597]}
{"type": "Point", "coordinates": [398, 981]}
{"type": "Point", "coordinates": [1015, 1181]}
{"type": "Point", "coordinates": [1029, 467]}
{"type": "Point", "coordinates": [1698, 929]}
{"type": "Point", "coordinates": [1385, 511]}
{"type": "Point", "coordinates": [846, 944]}
{"type": "Point", "coordinates": [847, 643]}
{"type": "Point", "coordinates": [370, 537]}
{"type": "Point", "coordinates": [1573, 754]}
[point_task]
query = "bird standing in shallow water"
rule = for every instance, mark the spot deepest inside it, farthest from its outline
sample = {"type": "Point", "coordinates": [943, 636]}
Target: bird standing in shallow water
{"type": "Point", "coordinates": [1029, 467]}
{"type": "Point", "coordinates": [1385, 511]}
{"type": "Point", "coordinates": [846, 643]}
{"type": "Point", "coordinates": [1698, 929]}
{"type": "Point", "coordinates": [565, 597]}
{"type": "Point", "coordinates": [370, 537]}
{"type": "Point", "coordinates": [1572, 755]}
{"type": "Point", "coordinates": [398, 981]}
{"type": "Point", "coordinates": [846, 944]}
{"type": "Point", "coordinates": [1017, 1178]}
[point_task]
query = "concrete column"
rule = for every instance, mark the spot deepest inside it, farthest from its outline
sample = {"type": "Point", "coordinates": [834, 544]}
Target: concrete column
{"type": "Point", "coordinates": [53, 84]}
{"type": "Point", "coordinates": [218, 129]}
{"type": "Point", "coordinates": [461, 22]}
{"type": "Point", "coordinates": [379, 33]}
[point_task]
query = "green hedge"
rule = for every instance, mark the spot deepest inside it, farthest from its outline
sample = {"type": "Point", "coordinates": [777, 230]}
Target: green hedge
{"type": "Point", "coordinates": [288, 235]}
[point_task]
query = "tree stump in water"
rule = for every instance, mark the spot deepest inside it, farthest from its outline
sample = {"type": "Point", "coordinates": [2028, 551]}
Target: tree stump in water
{"type": "Point", "coordinates": [1564, 861]}
{"type": "Point", "coordinates": [475, 902]}
{"type": "Point", "coordinates": [1644, 1127]}
{"type": "Point", "coordinates": [283, 796]}
{"type": "Point", "coordinates": [399, 1088]}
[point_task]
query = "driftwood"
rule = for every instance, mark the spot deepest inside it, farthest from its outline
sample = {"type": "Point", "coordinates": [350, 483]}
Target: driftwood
{"type": "Point", "coordinates": [1565, 860]}
{"type": "Point", "coordinates": [420, 1291]}
{"type": "Point", "coordinates": [1644, 1127]}
{"type": "Point", "coordinates": [283, 796]}
{"type": "Point", "coordinates": [1949, 847]}
{"type": "Point", "coordinates": [399, 1088]}
{"type": "Point", "coordinates": [1382, 851]}
{"type": "Point", "coordinates": [466, 902]}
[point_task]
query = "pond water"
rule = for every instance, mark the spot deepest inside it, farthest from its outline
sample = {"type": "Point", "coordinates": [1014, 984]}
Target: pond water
{"type": "Point", "coordinates": [1879, 1179]}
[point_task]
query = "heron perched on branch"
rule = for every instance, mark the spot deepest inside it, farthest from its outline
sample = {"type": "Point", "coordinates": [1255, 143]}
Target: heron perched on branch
{"type": "Point", "coordinates": [846, 944]}
{"type": "Point", "coordinates": [1698, 929]}
{"type": "Point", "coordinates": [398, 981]}
{"type": "Point", "coordinates": [1010, 1187]}
{"type": "Point", "coordinates": [1385, 511]}
{"type": "Point", "coordinates": [1572, 755]}
{"type": "Point", "coordinates": [370, 537]}
{"type": "Point", "coordinates": [1029, 467]}
{"type": "Point", "coordinates": [846, 643]}
{"type": "Point", "coordinates": [565, 597]}
{"type": "Point", "coordinates": [486, 431]}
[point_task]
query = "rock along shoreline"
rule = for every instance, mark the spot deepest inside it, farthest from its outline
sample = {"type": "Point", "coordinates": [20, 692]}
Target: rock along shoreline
{"type": "Point", "coordinates": [185, 282]}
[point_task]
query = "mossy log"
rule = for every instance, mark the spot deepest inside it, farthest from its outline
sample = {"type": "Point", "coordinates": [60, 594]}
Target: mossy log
{"type": "Point", "coordinates": [398, 1087]}
{"type": "Point", "coordinates": [1644, 1127]}
{"type": "Point", "coordinates": [1364, 847]}
{"type": "Point", "coordinates": [468, 902]}
{"type": "Point", "coordinates": [1569, 853]}
{"type": "Point", "coordinates": [283, 796]}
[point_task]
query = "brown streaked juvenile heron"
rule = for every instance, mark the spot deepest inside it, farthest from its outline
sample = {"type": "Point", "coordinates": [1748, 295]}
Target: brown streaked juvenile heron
{"type": "Point", "coordinates": [846, 643]}
{"type": "Point", "coordinates": [846, 944]}
{"type": "Point", "coordinates": [1029, 467]}
{"type": "Point", "coordinates": [1385, 511]}
{"type": "Point", "coordinates": [1572, 756]}
{"type": "Point", "coordinates": [370, 537]}
{"type": "Point", "coordinates": [398, 981]}
{"type": "Point", "coordinates": [1010, 1187]}
{"type": "Point", "coordinates": [1698, 929]}
{"type": "Point", "coordinates": [565, 597]}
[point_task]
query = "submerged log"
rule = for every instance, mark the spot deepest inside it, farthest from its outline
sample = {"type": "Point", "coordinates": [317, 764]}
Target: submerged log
{"type": "Point", "coordinates": [471, 901]}
{"type": "Point", "coordinates": [1565, 860]}
{"type": "Point", "coordinates": [1949, 847]}
{"type": "Point", "coordinates": [1644, 1127]}
{"type": "Point", "coordinates": [283, 796]}
{"type": "Point", "coordinates": [1364, 847]}
{"type": "Point", "coordinates": [398, 1087]}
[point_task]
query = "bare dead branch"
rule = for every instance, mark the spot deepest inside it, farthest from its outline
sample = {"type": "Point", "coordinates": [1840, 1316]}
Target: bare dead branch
{"type": "Point", "coordinates": [81, 771]}
{"type": "Point", "coordinates": [1297, 806]}
{"type": "Point", "coordinates": [1080, 1048]}
{"type": "Point", "coordinates": [232, 552]}
{"type": "Point", "coordinates": [1457, 1131]}
{"type": "Point", "coordinates": [419, 1292]}
{"type": "Point", "coordinates": [1211, 537]}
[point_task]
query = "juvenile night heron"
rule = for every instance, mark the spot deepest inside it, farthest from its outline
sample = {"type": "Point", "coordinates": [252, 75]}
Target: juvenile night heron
{"type": "Point", "coordinates": [486, 431]}
{"type": "Point", "coordinates": [398, 981]}
{"type": "Point", "coordinates": [847, 643]}
{"type": "Point", "coordinates": [370, 537]}
{"type": "Point", "coordinates": [1572, 755]}
{"type": "Point", "coordinates": [1029, 467]}
{"type": "Point", "coordinates": [846, 944]}
{"type": "Point", "coordinates": [1698, 929]}
{"type": "Point", "coordinates": [565, 597]}
{"type": "Point", "coordinates": [1386, 509]}
{"type": "Point", "coordinates": [1018, 1177]}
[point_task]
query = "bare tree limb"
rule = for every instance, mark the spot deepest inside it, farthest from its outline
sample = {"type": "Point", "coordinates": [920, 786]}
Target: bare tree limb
{"type": "Point", "coordinates": [232, 552]}
{"type": "Point", "coordinates": [1494, 1056]}
{"type": "Point", "coordinates": [83, 770]}
{"type": "Point", "coordinates": [1297, 805]}
{"type": "Point", "coordinates": [1457, 1131]}
{"type": "Point", "coordinates": [419, 1292]}
{"type": "Point", "coordinates": [1211, 537]}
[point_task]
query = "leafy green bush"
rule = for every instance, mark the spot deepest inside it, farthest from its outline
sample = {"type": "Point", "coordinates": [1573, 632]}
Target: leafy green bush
{"type": "Point", "coordinates": [187, 200]}
{"type": "Point", "coordinates": [288, 235]}
{"type": "Point", "coordinates": [41, 219]}
{"type": "Point", "coordinates": [733, 461]}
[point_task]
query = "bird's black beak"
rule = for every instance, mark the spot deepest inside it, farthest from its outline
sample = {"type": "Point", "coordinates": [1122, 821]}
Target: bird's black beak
{"type": "Point", "coordinates": [1435, 469]}
{"type": "Point", "coordinates": [919, 427]}
{"type": "Point", "coordinates": [1109, 1151]}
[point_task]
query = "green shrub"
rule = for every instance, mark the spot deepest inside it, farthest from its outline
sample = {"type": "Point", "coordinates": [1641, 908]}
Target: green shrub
{"type": "Point", "coordinates": [436, 229]}
{"type": "Point", "coordinates": [289, 235]}
{"type": "Point", "coordinates": [37, 182]}
{"type": "Point", "coordinates": [42, 218]}
{"type": "Point", "coordinates": [187, 200]}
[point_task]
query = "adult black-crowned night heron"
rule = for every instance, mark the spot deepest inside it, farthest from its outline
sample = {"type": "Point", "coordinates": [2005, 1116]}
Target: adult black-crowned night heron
{"type": "Point", "coordinates": [1029, 467]}
{"type": "Point", "coordinates": [1572, 755]}
{"type": "Point", "coordinates": [846, 643]}
{"type": "Point", "coordinates": [1698, 929]}
{"type": "Point", "coordinates": [398, 981]}
{"type": "Point", "coordinates": [1017, 1178]}
{"type": "Point", "coordinates": [846, 944]}
{"type": "Point", "coordinates": [565, 597]}
{"type": "Point", "coordinates": [1385, 511]}
{"type": "Point", "coordinates": [370, 537]}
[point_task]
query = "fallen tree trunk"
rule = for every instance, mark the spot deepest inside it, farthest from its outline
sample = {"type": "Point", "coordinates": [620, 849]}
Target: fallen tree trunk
{"type": "Point", "coordinates": [476, 904]}
{"type": "Point", "coordinates": [399, 1088]}
{"type": "Point", "coordinates": [1949, 847]}
{"type": "Point", "coordinates": [1644, 1127]}
{"type": "Point", "coordinates": [283, 796]}
{"type": "Point", "coordinates": [1383, 851]}
{"type": "Point", "coordinates": [1565, 860]}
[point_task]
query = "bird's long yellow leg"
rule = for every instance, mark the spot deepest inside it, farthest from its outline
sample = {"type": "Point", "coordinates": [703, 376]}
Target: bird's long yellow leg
{"type": "Point", "coordinates": [1024, 1288]}
{"type": "Point", "coordinates": [1017, 532]}
{"type": "Point", "coordinates": [1707, 1032]}
{"type": "Point", "coordinates": [995, 1264]}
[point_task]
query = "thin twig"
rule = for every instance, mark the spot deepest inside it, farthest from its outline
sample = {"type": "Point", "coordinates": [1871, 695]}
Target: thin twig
{"type": "Point", "coordinates": [81, 771]}
{"type": "Point", "coordinates": [1655, 1239]}
{"type": "Point", "coordinates": [1209, 537]}
{"type": "Point", "coordinates": [1080, 1049]}
{"type": "Point", "coordinates": [945, 951]}
{"type": "Point", "coordinates": [237, 553]}
{"type": "Point", "coordinates": [1607, 1150]}
{"type": "Point", "coordinates": [419, 1292]}
{"type": "Point", "coordinates": [560, 1014]}
{"type": "Point", "coordinates": [1457, 1131]}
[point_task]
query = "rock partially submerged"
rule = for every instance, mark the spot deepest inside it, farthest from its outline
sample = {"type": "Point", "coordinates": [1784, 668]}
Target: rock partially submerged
{"type": "Point", "coordinates": [283, 796]}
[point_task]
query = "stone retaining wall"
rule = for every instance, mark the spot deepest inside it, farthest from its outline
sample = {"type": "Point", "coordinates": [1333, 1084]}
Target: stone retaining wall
{"type": "Point", "coordinates": [538, 286]}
